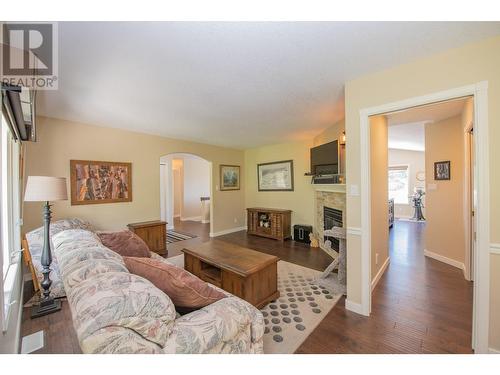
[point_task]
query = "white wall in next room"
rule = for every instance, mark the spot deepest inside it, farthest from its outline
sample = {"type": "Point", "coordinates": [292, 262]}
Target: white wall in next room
{"type": "Point", "coordinates": [415, 160]}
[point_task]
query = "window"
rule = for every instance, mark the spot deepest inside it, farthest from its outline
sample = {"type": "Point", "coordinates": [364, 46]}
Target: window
{"type": "Point", "coordinates": [10, 209]}
{"type": "Point", "coordinates": [398, 184]}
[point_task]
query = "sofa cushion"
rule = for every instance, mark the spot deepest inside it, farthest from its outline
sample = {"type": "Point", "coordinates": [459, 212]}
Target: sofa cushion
{"type": "Point", "coordinates": [78, 272]}
{"type": "Point", "coordinates": [125, 243]}
{"type": "Point", "coordinates": [184, 289]}
{"type": "Point", "coordinates": [123, 300]}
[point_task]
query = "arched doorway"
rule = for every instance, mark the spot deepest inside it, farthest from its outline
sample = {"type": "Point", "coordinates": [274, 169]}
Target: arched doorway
{"type": "Point", "coordinates": [185, 189]}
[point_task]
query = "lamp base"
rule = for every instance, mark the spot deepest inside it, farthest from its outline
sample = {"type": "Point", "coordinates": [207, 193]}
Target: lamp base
{"type": "Point", "coordinates": [45, 307]}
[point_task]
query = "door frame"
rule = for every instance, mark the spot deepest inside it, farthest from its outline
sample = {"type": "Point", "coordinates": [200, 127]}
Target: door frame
{"type": "Point", "coordinates": [469, 178]}
{"type": "Point", "coordinates": [481, 305]}
{"type": "Point", "coordinates": [167, 187]}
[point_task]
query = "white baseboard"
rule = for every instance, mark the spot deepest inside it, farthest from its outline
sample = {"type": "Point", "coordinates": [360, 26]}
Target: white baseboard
{"type": "Point", "coordinates": [354, 307]}
{"type": "Point", "coordinates": [441, 258]}
{"type": "Point", "coordinates": [205, 221]}
{"type": "Point", "coordinates": [227, 231]}
{"type": "Point", "coordinates": [191, 218]}
{"type": "Point", "coordinates": [380, 273]}
{"type": "Point", "coordinates": [410, 219]}
{"type": "Point", "coordinates": [493, 351]}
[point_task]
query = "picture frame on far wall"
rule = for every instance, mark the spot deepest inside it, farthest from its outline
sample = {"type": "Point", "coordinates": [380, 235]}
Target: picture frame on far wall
{"type": "Point", "coordinates": [229, 177]}
{"type": "Point", "coordinates": [97, 182]}
{"type": "Point", "coordinates": [275, 176]}
{"type": "Point", "coordinates": [442, 170]}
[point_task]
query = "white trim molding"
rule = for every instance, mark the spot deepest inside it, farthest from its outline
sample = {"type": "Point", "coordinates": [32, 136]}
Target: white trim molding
{"type": "Point", "coordinates": [493, 351]}
{"type": "Point", "coordinates": [354, 307]}
{"type": "Point", "coordinates": [355, 231]}
{"type": "Point", "coordinates": [495, 248]}
{"type": "Point", "coordinates": [380, 273]}
{"type": "Point", "coordinates": [227, 231]}
{"type": "Point", "coordinates": [442, 258]}
{"type": "Point", "coordinates": [333, 188]}
{"type": "Point", "coordinates": [191, 218]}
{"type": "Point", "coordinates": [481, 304]}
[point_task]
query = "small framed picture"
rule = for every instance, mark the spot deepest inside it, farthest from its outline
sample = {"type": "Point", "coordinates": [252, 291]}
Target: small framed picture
{"type": "Point", "coordinates": [442, 170]}
{"type": "Point", "coordinates": [229, 177]}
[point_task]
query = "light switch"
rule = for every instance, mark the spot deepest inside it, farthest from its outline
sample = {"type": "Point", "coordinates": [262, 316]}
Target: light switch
{"type": "Point", "coordinates": [354, 190]}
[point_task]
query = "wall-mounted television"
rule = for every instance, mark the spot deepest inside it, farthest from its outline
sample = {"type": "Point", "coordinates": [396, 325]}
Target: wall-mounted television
{"type": "Point", "coordinates": [325, 159]}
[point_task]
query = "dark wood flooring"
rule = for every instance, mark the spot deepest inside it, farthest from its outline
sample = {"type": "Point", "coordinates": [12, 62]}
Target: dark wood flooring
{"type": "Point", "coordinates": [419, 306]}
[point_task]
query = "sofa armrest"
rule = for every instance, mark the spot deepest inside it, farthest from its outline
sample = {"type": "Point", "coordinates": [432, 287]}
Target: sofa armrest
{"type": "Point", "coordinates": [230, 325]}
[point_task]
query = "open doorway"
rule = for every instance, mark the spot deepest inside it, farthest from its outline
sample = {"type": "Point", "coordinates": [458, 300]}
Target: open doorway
{"type": "Point", "coordinates": [185, 197]}
{"type": "Point", "coordinates": [422, 223]}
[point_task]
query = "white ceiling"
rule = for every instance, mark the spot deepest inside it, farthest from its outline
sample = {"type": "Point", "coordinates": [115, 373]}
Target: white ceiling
{"type": "Point", "coordinates": [406, 128]}
{"type": "Point", "coordinates": [233, 84]}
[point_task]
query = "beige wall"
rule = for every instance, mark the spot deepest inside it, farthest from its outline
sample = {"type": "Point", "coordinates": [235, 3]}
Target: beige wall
{"type": "Point", "coordinates": [59, 141]}
{"type": "Point", "coordinates": [453, 68]}
{"type": "Point", "coordinates": [301, 200]}
{"type": "Point", "coordinates": [330, 134]}
{"type": "Point", "coordinates": [379, 193]}
{"type": "Point", "coordinates": [415, 160]}
{"type": "Point", "coordinates": [444, 140]}
{"type": "Point", "coordinates": [196, 184]}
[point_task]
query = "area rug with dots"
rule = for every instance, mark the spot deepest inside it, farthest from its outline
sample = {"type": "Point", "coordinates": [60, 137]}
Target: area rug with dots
{"type": "Point", "coordinates": [302, 305]}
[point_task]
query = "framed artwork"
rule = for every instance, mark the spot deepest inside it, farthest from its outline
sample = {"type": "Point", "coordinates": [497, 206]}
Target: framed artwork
{"type": "Point", "coordinates": [275, 176]}
{"type": "Point", "coordinates": [95, 182]}
{"type": "Point", "coordinates": [229, 177]}
{"type": "Point", "coordinates": [442, 170]}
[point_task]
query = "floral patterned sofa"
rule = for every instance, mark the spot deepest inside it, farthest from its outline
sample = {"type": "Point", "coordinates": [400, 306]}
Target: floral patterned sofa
{"type": "Point", "coordinates": [115, 311]}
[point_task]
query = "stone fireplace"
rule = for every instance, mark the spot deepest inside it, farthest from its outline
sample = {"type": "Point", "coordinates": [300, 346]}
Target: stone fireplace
{"type": "Point", "coordinates": [330, 209]}
{"type": "Point", "coordinates": [332, 217]}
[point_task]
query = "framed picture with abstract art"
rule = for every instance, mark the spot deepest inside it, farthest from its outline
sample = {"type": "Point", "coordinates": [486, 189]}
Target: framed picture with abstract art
{"type": "Point", "coordinates": [94, 182]}
{"type": "Point", "coordinates": [229, 177]}
{"type": "Point", "coordinates": [442, 170]}
{"type": "Point", "coordinates": [275, 176]}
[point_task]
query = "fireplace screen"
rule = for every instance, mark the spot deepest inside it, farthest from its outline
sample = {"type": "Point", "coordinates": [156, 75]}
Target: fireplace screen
{"type": "Point", "coordinates": [332, 218]}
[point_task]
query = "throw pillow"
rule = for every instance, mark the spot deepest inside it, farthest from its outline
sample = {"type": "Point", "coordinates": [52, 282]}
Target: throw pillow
{"type": "Point", "coordinates": [125, 243]}
{"type": "Point", "coordinates": [184, 289]}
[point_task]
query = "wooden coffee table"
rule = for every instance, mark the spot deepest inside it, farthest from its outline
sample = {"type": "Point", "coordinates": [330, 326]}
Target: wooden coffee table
{"type": "Point", "coordinates": [248, 274]}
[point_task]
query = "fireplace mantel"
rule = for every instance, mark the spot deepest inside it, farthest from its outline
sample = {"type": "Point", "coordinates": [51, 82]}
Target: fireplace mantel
{"type": "Point", "coordinates": [334, 188]}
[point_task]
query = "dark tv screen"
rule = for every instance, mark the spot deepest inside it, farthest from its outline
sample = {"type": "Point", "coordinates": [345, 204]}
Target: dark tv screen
{"type": "Point", "coordinates": [325, 158]}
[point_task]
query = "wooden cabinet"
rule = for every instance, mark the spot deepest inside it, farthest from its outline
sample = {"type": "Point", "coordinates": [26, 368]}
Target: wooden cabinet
{"type": "Point", "coordinates": [154, 233]}
{"type": "Point", "coordinates": [269, 222]}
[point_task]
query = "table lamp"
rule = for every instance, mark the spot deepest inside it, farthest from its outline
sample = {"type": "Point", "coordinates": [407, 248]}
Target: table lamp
{"type": "Point", "coordinates": [46, 189]}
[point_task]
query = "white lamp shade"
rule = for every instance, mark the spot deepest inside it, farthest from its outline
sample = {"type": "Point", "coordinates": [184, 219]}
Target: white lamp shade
{"type": "Point", "coordinates": [45, 188]}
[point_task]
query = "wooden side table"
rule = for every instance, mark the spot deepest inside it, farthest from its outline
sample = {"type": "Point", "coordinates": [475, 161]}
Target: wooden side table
{"type": "Point", "coordinates": [154, 233]}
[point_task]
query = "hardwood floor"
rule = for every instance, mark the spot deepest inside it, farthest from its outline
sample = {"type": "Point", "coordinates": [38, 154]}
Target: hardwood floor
{"type": "Point", "coordinates": [419, 306]}
{"type": "Point", "coordinates": [290, 251]}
